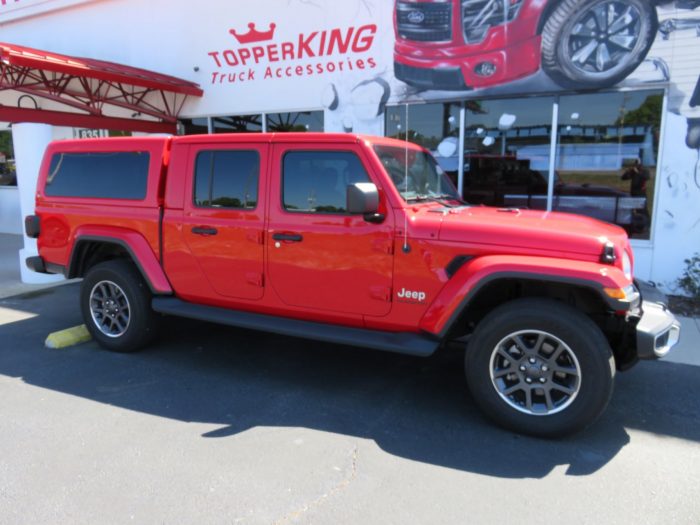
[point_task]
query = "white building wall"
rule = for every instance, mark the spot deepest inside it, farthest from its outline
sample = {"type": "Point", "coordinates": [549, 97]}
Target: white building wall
{"type": "Point", "coordinates": [10, 215]}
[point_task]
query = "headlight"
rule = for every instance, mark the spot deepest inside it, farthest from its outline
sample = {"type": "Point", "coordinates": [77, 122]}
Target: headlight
{"type": "Point", "coordinates": [626, 265]}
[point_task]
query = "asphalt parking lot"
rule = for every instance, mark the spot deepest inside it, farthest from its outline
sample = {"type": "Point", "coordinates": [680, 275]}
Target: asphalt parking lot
{"type": "Point", "coordinates": [217, 425]}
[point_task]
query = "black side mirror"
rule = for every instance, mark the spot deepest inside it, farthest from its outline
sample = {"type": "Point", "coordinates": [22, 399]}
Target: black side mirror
{"type": "Point", "coordinates": [363, 198]}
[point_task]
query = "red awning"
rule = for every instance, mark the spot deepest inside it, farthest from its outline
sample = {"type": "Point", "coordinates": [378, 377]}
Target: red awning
{"type": "Point", "coordinates": [87, 85]}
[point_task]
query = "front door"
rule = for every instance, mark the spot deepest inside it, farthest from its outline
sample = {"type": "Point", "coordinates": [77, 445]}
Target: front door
{"type": "Point", "coordinates": [319, 256]}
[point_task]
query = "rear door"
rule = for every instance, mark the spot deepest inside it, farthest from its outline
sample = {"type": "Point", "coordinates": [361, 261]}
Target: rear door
{"type": "Point", "coordinates": [223, 220]}
{"type": "Point", "coordinates": [319, 256]}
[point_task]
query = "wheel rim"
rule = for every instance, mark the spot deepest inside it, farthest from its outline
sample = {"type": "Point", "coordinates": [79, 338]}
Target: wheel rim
{"type": "Point", "coordinates": [535, 372]}
{"type": "Point", "coordinates": [604, 38]}
{"type": "Point", "coordinates": [110, 309]}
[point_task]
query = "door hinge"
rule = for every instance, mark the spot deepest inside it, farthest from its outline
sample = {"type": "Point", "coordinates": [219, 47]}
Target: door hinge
{"type": "Point", "coordinates": [383, 246]}
{"type": "Point", "coordinates": [380, 293]}
{"type": "Point", "coordinates": [256, 279]}
{"type": "Point", "coordinates": [255, 236]}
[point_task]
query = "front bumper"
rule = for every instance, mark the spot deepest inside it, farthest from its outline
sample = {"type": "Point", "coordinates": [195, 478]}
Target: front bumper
{"type": "Point", "coordinates": [458, 67]}
{"type": "Point", "coordinates": [445, 78]}
{"type": "Point", "coordinates": [658, 331]}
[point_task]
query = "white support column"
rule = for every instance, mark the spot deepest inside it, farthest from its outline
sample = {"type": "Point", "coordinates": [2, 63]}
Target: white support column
{"type": "Point", "coordinates": [553, 154]}
{"type": "Point", "coordinates": [460, 151]}
{"type": "Point", "coordinates": [30, 141]}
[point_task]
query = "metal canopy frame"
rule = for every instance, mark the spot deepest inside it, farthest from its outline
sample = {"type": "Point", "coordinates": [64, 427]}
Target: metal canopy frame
{"type": "Point", "coordinates": [88, 86]}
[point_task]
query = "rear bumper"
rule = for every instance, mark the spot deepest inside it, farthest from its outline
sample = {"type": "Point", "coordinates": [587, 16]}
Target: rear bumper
{"type": "Point", "coordinates": [658, 331]}
{"type": "Point", "coordinates": [38, 265]}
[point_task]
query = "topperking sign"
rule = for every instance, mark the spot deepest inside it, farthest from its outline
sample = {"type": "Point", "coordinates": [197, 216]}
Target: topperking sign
{"type": "Point", "coordinates": [256, 55]}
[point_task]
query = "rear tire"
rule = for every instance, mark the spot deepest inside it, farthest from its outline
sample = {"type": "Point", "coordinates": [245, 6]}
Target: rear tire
{"type": "Point", "coordinates": [540, 367]}
{"type": "Point", "coordinates": [116, 306]}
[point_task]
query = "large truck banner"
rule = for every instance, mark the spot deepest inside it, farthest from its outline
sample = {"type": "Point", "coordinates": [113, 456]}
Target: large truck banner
{"type": "Point", "coordinates": [478, 48]}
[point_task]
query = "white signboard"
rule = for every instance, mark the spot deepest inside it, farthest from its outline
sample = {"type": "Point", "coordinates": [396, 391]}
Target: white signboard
{"type": "Point", "coordinates": [16, 9]}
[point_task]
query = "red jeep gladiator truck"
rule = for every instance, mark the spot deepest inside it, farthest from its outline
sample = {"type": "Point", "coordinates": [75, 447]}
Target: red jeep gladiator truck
{"type": "Point", "coordinates": [354, 240]}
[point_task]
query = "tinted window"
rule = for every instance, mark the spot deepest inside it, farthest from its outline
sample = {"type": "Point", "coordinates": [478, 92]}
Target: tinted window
{"type": "Point", "coordinates": [117, 175]}
{"type": "Point", "coordinates": [237, 124]}
{"type": "Point", "coordinates": [316, 181]}
{"type": "Point", "coordinates": [302, 121]}
{"type": "Point", "coordinates": [227, 179]}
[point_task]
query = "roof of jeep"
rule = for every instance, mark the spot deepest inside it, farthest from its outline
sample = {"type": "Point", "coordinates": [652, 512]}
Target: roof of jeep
{"type": "Point", "coordinates": [119, 143]}
{"type": "Point", "coordinates": [292, 137]}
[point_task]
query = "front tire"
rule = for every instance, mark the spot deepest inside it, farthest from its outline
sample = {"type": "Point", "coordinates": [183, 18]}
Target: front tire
{"type": "Point", "coordinates": [116, 306]}
{"type": "Point", "coordinates": [596, 44]}
{"type": "Point", "coordinates": [540, 367]}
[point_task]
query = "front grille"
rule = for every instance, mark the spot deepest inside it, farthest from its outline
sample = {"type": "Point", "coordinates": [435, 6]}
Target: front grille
{"type": "Point", "coordinates": [478, 16]}
{"type": "Point", "coordinates": [424, 22]}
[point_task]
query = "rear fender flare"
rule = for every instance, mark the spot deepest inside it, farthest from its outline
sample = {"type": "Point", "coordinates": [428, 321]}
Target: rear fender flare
{"type": "Point", "coordinates": [134, 243]}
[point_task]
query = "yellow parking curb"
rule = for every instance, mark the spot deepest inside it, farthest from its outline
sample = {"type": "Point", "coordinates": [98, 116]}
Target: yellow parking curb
{"type": "Point", "coordinates": [68, 337]}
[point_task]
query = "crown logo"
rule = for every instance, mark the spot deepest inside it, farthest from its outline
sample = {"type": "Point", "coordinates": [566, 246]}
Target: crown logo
{"type": "Point", "coordinates": [254, 35]}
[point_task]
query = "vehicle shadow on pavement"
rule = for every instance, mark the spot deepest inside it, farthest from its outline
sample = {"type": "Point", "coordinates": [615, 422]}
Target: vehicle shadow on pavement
{"type": "Point", "coordinates": [413, 408]}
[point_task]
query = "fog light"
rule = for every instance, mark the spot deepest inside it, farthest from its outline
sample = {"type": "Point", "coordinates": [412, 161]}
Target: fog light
{"type": "Point", "coordinates": [485, 69]}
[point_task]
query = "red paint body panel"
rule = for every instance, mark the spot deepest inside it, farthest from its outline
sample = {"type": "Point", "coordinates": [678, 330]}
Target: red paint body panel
{"type": "Point", "coordinates": [346, 271]}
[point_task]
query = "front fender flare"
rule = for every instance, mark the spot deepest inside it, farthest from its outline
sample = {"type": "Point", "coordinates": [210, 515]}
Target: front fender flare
{"type": "Point", "coordinates": [455, 297]}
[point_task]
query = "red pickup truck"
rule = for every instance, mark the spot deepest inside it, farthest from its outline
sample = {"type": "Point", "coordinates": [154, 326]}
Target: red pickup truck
{"type": "Point", "coordinates": [354, 240]}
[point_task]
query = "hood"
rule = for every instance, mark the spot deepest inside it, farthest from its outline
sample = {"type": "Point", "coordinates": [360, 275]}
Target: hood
{"type": "Point", "coordinates": [530, 231]}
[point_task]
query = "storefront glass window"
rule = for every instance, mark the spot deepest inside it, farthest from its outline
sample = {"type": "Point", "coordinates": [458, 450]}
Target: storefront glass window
{"type": "Point", "coordinates": [606, 157]}
{"type": "Point", "coordinates": [301, 121]}
{"type": "Point", "coordinates": [8, 175]}
{"type": "Point", "coordinates": [507, 151]}
{"type": "Point", "coordinates": [428, 125]}
{"type": "Point", "coordinates": [194, 126]}
{"type": "Point", "coordinates": [237, 124]}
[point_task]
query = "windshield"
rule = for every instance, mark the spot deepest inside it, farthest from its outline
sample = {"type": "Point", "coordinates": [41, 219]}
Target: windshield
{"type": "Point", "coordinates": [422, 179]}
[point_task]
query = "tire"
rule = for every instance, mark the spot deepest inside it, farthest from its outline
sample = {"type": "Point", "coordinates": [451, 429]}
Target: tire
{"type": "Point", "coordinates": [579, 51]}
{"type": "Point", "coordinates": [116, 306]}
{"type": "Point", "coordinates": [573, 362]}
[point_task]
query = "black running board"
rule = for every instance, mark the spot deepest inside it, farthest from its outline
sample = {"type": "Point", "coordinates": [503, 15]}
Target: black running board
{"type": "Point", "coordinates": [402, 342]}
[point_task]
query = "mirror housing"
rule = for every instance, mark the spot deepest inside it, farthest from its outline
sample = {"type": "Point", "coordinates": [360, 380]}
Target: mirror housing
{"type": "Point", "coordinates": [363, 198]}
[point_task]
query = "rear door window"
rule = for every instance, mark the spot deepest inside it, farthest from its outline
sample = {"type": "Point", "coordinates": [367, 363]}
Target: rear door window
{"type": "Point", "coordinates": [109, 175]}
{"type": "Point", "coordinates": [227, 179]}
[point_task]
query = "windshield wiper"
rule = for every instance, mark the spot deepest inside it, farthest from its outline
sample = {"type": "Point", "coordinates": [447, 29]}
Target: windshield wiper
{"type": "Point", "coordinates": [418, 198]}
{"type": "Point", "coordinates": [447, 199]}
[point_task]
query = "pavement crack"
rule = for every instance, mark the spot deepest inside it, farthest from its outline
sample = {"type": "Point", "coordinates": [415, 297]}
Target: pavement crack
{"type": "Point", "coordinates": [323, 498]}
